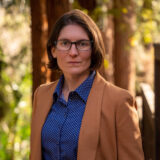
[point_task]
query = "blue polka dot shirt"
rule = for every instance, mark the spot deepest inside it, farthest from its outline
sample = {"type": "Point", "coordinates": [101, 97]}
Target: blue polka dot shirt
{"type": "Point", "coordinates": [61, 129]}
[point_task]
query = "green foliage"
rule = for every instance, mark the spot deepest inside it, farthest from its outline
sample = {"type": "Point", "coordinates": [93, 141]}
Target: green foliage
{"type": "Point", "coordinates": [76, 5]}
{"type": "Point", "coordinates": [19, 4]}
{"type": "Point", "coordinates": [3, 96]}
{"type": "Point", "coordinates": [97, 14]}
{"type": "Point", "coordinates": [148, 21]}
{"type": "Point", "coordinates": [15, 84]}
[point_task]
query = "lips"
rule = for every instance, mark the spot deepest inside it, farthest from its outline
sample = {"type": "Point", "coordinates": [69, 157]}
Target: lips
{"type": "Point", "coordinates": [74, 62]}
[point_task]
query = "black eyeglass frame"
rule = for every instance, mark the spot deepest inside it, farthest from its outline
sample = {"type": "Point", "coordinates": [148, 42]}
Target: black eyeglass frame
{"type": "Point", "coordinates": [75, 42]}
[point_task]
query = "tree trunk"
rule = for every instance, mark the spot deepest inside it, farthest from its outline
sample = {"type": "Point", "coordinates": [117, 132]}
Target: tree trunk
{"type": "Point", "coordinates": [39, 29]}
{"type": "Point", "coordinates": [124, 20]}
{"type": "Point", "coordinates": [55, 9]}
{"type": "Point", "coordinates": [108, 36]}
{"type": "Point", "coordinates": [89, 5]}
{"type": "Point", "coordinates": [44, 14]}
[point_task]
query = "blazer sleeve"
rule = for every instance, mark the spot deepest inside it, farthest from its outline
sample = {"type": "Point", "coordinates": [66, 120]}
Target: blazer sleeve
{"type": "Point", "coordinates": [33, 148]}
{"type": "Point", "coordinates": [34, 101]}
{"type": "Point", "coordinates": [129, 144]}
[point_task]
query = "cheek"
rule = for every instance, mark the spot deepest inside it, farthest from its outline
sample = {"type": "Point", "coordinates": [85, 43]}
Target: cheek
{"type": "Point", "coordinates": [87, 57]}
{"type": "Point", "coordinates": [60, 60]}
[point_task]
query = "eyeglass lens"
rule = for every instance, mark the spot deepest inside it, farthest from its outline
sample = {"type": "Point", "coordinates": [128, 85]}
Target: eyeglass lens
{"type": "Point", "coordinates": [80, 45]}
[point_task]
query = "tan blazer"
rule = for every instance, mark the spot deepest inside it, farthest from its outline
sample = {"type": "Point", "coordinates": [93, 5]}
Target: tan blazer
{"type": "Point", "coordinates": [109, 129]}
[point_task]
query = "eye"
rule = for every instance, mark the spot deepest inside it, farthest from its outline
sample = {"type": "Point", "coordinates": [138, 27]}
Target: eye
{"type": "Point", "coordinates": [83, 43]}
{"type": "Point", "coordinates": [64, 42]}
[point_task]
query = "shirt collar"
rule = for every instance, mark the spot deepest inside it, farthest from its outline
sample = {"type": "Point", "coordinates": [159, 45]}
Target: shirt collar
{"type": "Point", "coordinates": [83, 90]}
{"type": "Point", "coordinates": [58, 89]}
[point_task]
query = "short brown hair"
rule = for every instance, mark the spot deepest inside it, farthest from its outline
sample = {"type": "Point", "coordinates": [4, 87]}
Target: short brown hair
{"type": "Point", "coordinates": [80, 18]}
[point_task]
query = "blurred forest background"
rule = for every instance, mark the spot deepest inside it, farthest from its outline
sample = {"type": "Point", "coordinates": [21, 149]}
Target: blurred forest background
{"type": "Point", "coordinates": [129, 28]}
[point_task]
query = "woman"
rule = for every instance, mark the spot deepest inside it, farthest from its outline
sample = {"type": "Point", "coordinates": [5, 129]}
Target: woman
{"type": "Point", "coordinates": [81, 116]}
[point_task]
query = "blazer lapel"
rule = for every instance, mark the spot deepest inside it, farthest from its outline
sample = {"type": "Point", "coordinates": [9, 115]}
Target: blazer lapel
{"type": "Point", "coordinates": [46, 103]}
{"type": "Point", "coordinates": [89, 132]}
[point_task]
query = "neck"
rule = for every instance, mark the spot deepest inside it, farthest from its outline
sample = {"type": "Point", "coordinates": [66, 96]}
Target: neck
{"type": "Point", "coordinates": [72, 82]}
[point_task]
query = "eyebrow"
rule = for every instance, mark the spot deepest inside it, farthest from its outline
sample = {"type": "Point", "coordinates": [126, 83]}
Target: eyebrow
{"type": "Point", "coordinates": [63, 39]}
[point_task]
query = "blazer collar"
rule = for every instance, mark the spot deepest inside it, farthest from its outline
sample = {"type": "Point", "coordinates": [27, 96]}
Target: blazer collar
{"type": "Point", "coordinates": [89, 132]}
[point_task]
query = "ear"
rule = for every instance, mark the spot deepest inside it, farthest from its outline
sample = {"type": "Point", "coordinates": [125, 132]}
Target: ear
{"type": "Point", "coordinates": [53, 51]}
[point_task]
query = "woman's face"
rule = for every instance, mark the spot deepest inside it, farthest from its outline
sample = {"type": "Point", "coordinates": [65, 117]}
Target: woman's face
{"type": "Point", "coordinates": [73, 62]}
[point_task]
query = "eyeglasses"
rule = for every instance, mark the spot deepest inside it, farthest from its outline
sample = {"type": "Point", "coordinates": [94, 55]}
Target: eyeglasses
{"type": "Point", "coordinates": [81, 45]}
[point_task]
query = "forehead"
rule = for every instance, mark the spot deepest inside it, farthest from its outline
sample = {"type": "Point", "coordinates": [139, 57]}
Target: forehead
{"type": "Point", "coordinates": [73, 32]}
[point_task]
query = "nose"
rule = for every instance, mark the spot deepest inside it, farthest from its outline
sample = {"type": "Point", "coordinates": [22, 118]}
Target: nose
{"type": "Point", "coordinates": [73, 50]}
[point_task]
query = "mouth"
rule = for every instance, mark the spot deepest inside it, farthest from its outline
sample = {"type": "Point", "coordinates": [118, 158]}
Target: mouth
{"type": "Point", "coordinates": [74, 62]}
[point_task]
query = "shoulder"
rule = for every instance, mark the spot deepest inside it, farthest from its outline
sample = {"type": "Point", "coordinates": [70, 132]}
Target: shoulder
{"type": "Point", "coordinates": [111, 89]}
{"type": "Point", "coordinates": [118, 93]}
{"type": "Point", "coordinates": [48, 85]}
{"type": "Point", "coordinates": [115, 94]}
{"type": "Point", "coordinates": [44, 88]}
{"type": "Point", "coordinates": [118, 103]}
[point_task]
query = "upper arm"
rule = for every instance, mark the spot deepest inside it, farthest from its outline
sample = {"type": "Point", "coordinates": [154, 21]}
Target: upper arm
{"type": "Point", "coordinates": [34, 101]}
{"type": "Point", "coordinates": [129, 143]}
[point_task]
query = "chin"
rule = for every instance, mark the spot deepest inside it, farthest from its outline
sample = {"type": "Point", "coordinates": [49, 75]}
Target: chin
{"type": "Point", "coordinates": [75, 72]}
